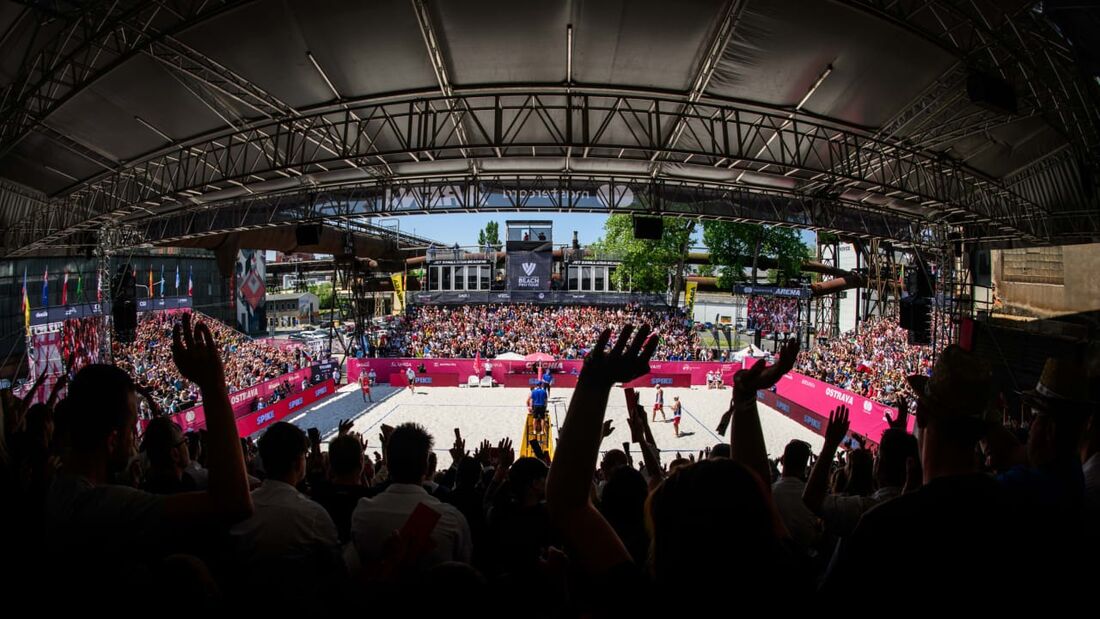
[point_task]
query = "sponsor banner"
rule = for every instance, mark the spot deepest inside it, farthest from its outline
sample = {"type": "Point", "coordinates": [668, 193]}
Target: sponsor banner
{"type": "Point", "coordinates": [241, 401]}
{"type": "Point", "coordinates": [46, 315]}
{"type": "Point", "coordinates": [540, 297]}
{"type": "Point", "coordinates": [772, 291]}
{"type": "Point", "coordinates": [689, 298]}
{"type": "Point", "coordinates": [426, 379]}
{"type": "Point", "coordinates": [664, 380]}
{"type": "Point", "coordinates": [529, 270]}
{"type": "Point", "coordinates": [194, 418]}
{"type": "Point", "coordinates": [528, 380]}
{"type": "Point", "coordinates": [866, 415]}
{"type": "Point", "coordinates": [265, 417]}
{"type": "Point", "coordinates": [565, 371]}
{"type": "Point", "coordinates": [163, 304]}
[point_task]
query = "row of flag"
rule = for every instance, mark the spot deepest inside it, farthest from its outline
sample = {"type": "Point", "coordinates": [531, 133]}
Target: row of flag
{"type": "Point", "coordinates": [25, 304]}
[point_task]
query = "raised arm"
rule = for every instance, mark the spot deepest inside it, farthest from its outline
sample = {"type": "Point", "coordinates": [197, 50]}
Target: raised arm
{"type": "Point", "coordinates": [746, 436]}
{"type": "Point", "coordinates": [227, 498]}
{"type": "Point", "coordinates": [813, 495]}
{"type": "Point", "coordinates": [641, 434]}
{"type": "Point", "coordinates": [589, 537]}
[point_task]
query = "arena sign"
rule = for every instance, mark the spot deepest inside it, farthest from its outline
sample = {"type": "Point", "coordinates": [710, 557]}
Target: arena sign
{"type": "Point", "coordinates": [772, 291]}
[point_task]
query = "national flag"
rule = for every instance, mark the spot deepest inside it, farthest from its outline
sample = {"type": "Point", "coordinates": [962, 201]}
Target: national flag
{"type": "Point", "coordinates": [46, 288]}
{"type": "Point", "coordinates": [162, 281]}
{"type": "Point", "coordinates": [190, 290]}
{"type": "Point", "coordinates": [150, 282]}
{"type": "Point", "coordinates": [177, 280]}
{"type": "Point", "coordinates": [26, 304]}
{"type": "Point", "coordinates": [79, 288]}
{"type": "Point", "coordinates": [98, 289]}
{"type": "Point", "coordinates": [65, 289]}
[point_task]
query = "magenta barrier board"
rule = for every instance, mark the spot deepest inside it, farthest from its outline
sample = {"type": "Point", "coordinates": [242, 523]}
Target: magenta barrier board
{"type": "Point", "coordinates": [866, 415]}
{"type": "Point", "coordinates": [530, 380]}
{"type": "Point", "coordinates": [426, 379]}
{"type": "Point", "coordinates": [241, 401]}
{"type": "Point", "coordinates": [663, 379]}
{"type": "Point", "coordinates": [193, 418]}
{"type": "Point", "coordinates": [254, 422]}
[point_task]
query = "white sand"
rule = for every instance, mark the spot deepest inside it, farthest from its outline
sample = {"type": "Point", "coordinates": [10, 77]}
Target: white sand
{"type": "Point", "coordinates": [498, 413]}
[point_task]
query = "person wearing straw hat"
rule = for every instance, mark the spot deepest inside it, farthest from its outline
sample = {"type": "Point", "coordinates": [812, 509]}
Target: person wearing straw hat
{"type": "Point", "coordinates": [960, 515]}
{"type": "Point", "coordinates": [1050, 472]}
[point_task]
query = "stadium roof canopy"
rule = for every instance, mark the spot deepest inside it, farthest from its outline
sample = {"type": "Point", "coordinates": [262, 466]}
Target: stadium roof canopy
{"type": "Point", "coordinates": [167, 120]}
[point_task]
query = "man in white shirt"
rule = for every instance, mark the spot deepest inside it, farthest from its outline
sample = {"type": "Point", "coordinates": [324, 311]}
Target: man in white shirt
{"type": "Point", "coordinates": [374, 520]}
{"type": "Point", "coordinates": [803, 525]}
{"type": "Point", "coordinates": [290, 539]}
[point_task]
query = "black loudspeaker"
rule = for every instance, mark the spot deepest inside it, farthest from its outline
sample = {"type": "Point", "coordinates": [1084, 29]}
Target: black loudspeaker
{"type": "Point", "coordinates": [756, 338]}
{"type": "Point", "coordinates": [124, 304]}
{"type": "Point", "coordinates": [649, 228]}
{"type": "Point", "coordinates": [991, 93]}
{"type": "Point", "coordinates": [308, 234]}
{"type": "Point", "coordinates": [915, 316]}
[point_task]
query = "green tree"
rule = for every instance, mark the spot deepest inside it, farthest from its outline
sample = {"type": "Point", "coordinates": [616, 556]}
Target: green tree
{"type": "Point", "coordinates": [737, 246]}
{"type": "Point", "coordinates": [646, 264]}
{"type": "Point", "coordinates": [489, 235]}
{"type": "Point", "coordinates": [325, 295]}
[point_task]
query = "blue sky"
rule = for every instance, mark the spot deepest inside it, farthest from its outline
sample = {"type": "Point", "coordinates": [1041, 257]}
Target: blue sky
{"type": "Point", "coordinates": [462, 228]}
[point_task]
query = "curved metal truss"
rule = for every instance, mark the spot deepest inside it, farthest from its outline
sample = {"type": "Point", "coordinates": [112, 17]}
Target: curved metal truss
{"type": "Point", "coordinates": [578, 132]}
{"type": "Point", "coordinates": [553, 131]}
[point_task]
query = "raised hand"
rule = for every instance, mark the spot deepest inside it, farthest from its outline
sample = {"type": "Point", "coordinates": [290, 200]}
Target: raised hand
{"type": "Point", "coordinates": [505, 454]}
{"type": "Point", "coordinates": [901, 421]}
{"type": "Point", "coordinates": [344, 427]}
{"type": "Point", "coordinates": [623, 363]}
{"type": "Point", "coordinates": [196, 355]}
{"type": "Point", "coordinates": [458, 450]}
{"type": "Point", "coordinates": [607, 429]}
{"type": "Point", "coordinates": [837, 428]}
{"type": "Point", "coordinates": [763, 376]}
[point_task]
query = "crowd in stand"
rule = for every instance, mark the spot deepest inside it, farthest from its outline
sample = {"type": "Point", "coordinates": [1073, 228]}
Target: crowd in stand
{"type": "Point", "coordinates": [564, 332]}
{"type": "Point", "coordinates": [873, 361]}
{"type": "Point", "coordinates": [211, 522]}
{"type": "Point", "coordinates": [771, 314]}
{"type": "Point", "coordinates": [149, 360]}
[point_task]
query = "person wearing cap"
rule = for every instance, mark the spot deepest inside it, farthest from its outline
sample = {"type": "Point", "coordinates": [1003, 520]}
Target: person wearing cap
{"type": "Point", "coordinates": [962, 532]}
{"type": "Point", "coordinates": [165, 446]}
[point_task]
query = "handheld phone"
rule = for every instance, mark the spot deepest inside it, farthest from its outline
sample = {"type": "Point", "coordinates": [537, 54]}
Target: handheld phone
{"type": "Point", "coordinates": [417, 530]}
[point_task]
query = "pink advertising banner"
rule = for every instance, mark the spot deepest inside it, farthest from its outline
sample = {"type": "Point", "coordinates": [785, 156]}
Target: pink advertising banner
{"type": "Point", "coordinates": [254, 422]}
{"type": "Point", "coordinates": [241, 401]}
{"type": "Point", "coordinates": [866, 415]}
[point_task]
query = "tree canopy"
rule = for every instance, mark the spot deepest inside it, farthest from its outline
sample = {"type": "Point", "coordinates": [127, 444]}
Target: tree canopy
{"type": "Point", "coordinates": [733, 245]}
{"type": "Point", "coordinates": [645, 264]}
{"type": "Point", "coordinates": [489, 235]}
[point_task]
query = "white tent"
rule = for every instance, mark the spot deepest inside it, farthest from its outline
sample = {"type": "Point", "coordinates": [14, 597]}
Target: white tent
{"type": "Point", "coordinates": [509, 356]}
